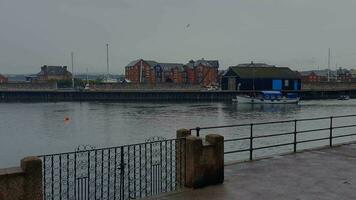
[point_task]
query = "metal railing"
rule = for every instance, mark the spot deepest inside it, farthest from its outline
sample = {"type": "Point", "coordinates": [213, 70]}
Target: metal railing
{"type": "Point", "coordinates": [122, 172]}
{"type": "Point", "coordinates": [297, 136]}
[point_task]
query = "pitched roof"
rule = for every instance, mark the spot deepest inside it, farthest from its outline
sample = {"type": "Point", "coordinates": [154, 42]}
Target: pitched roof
{"type": "Point", "coordinates": [318, 72]}
{"type": "Point", "coordinates": [210, 63]}
{"type": "Point", "coordinates": [2, 76]}
{"type": "Point", "coordinates": [53, 70]}
{"type": "Point", "coordinates": [170, 66]}
{"type": "Point", "coordinates": [214, 63]}
{"type": "Point", "coordinates": [152, 63]}
{"type": "Point", "coordinates": [254, 65]}
{"type": "Point", "coordinates": [263, 72]}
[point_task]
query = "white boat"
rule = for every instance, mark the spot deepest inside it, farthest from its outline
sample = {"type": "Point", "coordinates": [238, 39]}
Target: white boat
{"type": "Point", "coordinates": [268, 97]}
{"type": "Point", "coordinates": [344, 97]}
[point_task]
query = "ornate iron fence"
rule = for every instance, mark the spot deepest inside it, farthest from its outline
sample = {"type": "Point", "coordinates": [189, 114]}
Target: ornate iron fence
{"type": "Point", "coordinates": [123, 172]}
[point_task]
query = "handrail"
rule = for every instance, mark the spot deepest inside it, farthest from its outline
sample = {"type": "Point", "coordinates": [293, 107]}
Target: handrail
{"type": "Point", "coordinates": [197, 129]}
{"type": "Point", "coordinates": [249, 137]}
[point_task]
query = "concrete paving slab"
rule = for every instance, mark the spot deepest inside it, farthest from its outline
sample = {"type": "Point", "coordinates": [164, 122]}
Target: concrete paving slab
{"type": "Point", "coordinates": [317, 174]}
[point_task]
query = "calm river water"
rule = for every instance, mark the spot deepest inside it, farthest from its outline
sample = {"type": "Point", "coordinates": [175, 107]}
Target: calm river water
{"type": "Point", "coordinates": [40, 128]}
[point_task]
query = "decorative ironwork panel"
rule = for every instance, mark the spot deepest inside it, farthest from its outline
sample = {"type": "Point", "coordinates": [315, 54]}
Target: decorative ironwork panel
{"type": "Point", "coordinates": [123, 172]}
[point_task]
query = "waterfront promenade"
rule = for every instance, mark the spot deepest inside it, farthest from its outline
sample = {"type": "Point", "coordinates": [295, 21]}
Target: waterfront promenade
{"type": "Point", "coordinates": [328, 173]}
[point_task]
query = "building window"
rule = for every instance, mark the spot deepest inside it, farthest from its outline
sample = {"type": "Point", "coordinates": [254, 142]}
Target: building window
{"type": "Point", "coordinates": [185, 77]}
{"type": "Point", "coordinates": [286, 83]}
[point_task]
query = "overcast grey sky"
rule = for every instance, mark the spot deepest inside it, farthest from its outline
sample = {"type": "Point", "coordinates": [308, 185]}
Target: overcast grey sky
{"type": "Point", "coordinates": [295, 33]}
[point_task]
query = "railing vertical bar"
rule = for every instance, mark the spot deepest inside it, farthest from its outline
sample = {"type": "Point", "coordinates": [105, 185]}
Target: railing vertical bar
{"type": "Point", "coordinates": [331, 132]}
{"type": "Point", "coordinates": [52, 178]}
{"type": "Point", "coordinates": [151, 167]}
{"type": "Point", "coordinates": [140, 159]}
{"type": "Point", "coordinates": [161, 165]}
{"type": "Point", "coordinates": [102, 174]}
{"type": "Point", "coordinates": [88, 184]}
{"type": "Point", "coordinates": [109, 170]}
{"type": "Point", "coordinates": [60, 176]}
{"type": "Point", "coordinates": [251, 141]}
{"type": "Point", "coordinates": [75, 174]}
{"type": "Point", "coordinates": [171, 167]}
{"type": "Point", "coordinates": [129, 171]}
{"type": "Point", "coordinates": [295, 136]}
{"type": "Point", "coordinates": [81, 189]}
{"type": "Point", "coordinates": [122, 173]}
{"type": "Point", "coordinates": [68, 176]}
{"type": "Point", "coordinates": [44, 178]}
{"type": "Point", "coordinates": [115, 171]}
{"type": "Point", "coordinates": [95, 171]}
{"type": "Point", "coordinates": [146, 169]}
{"type": "Point", "coordinates": [185, 163]}
{"type": "Point", "coordinates": [134, 171]}
{"type": "Point", "coordinates": [166, 166]}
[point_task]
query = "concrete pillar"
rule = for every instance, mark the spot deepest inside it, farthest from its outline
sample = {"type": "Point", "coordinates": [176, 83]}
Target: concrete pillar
{"type": "Point", "coordinates": [182, 133]}
{"type": "Point", "coordinates": [32, 166]}
{"type": "Point", "coordinates": [204, 161]}
{"type": "Point", "coordinates": [181, 136]}
{"type": "Point", "coordinates": [216, 171]}
{"type": "Point", "coordinates": [194, 173]}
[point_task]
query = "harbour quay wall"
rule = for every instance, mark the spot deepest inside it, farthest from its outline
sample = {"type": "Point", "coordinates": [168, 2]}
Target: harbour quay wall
{"type": "Point", "coordinates": [106, 95]}
{"type": "Point", "coordinates": [329, 86]}
{"type": "Point", "coordinates": [147, 95]}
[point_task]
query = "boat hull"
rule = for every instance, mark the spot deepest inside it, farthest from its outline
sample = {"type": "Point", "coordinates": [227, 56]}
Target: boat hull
{"type": "Point", "coordinates": [252, 100]}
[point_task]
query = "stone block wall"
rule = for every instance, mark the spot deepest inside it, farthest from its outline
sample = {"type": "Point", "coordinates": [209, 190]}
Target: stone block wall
{"type": "Point", "coordinates": [22, 183]}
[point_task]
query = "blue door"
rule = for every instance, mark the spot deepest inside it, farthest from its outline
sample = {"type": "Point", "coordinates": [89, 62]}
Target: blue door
{"type": "Point", "coordinates": [295, 85]}
{"type": "Point", "coordinates": [276, 84]}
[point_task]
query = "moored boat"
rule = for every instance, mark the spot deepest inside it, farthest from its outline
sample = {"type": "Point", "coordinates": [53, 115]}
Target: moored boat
{"type": "Point", "coordinates": [343, 97]}
{"type": "Point", "coordinates": [268, 97]}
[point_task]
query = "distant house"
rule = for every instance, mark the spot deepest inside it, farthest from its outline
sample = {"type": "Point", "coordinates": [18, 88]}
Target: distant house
{"type": "Point", "coordinates": [260, 76]}
{"type": "Point", "coordinates": [318, 75]}
{"type": "Point", "coordinates": [50, 73]}
{"type": "Point", "coordinates": [203, 72]}
{"type": "Point", "coordinates": [310, 77]}
{"type": "Point", "coordinates": [343, 75]}
{"type": "Point", "coordinates": [3, 79]}
{"type": "Point", "coordinates": [149, 71]}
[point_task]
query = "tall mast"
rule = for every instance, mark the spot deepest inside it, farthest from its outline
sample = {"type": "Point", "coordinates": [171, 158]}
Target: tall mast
{"type": "Point", "coordinates": [87, 77]}
{"type": "Point", "coordinates": [253, 76]}
{"type": "Point", "coordinates": [72, 58]}
{"type": "Point", "coordinates": [107, 62]}
{"type": "Point", "coordinates": [329, 53]}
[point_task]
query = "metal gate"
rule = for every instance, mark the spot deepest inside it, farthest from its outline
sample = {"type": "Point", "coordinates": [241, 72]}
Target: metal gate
{"type": "Point", "coordinates": [124, 172]}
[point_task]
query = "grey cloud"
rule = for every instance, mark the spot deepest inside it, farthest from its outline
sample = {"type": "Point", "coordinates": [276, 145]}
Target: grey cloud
{"type": "Point", "coordinates": [294, 33]}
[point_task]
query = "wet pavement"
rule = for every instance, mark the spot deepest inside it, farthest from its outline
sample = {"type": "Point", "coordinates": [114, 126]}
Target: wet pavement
{"type": "Point", "coordinates": [315, 174]}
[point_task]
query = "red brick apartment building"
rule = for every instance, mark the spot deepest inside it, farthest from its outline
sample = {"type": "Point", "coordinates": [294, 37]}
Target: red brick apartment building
{"type": "Point", "coordinates": [3, 79]}
{"type": "Point", "coordinates": [310, 77]}
{"type": "Point", "coordinates": [202, 72]}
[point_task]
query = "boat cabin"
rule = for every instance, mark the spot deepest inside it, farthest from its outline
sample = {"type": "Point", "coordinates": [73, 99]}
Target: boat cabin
{"type": "Point", "coordinates": [270, 95]}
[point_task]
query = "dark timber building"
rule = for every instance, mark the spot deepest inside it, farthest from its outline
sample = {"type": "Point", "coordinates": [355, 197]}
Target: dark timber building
{"type": "Point", "coordinates": [260, 76]}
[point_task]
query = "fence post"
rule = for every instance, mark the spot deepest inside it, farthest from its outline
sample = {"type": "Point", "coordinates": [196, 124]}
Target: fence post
{"type": "Point", "coordinates": [295, 136]}
{"type": "Point", "coordinates": [181, 155]}
{"type": "Point", "coordinates": [331, 131]}
{"type": "Point", "coordinates": [251, 141]}
{"type": "Point", "coordinates": [198, 130]}
{"type": "Point", "coordinates": [32, 166]}
{"type": "Point", "coordinates": [205, 161]}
